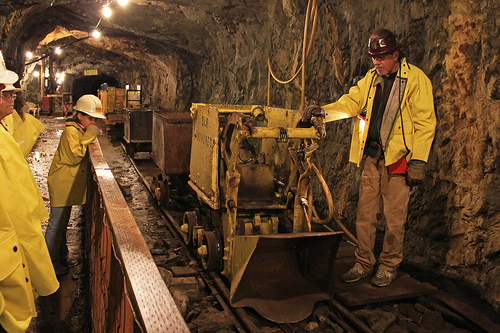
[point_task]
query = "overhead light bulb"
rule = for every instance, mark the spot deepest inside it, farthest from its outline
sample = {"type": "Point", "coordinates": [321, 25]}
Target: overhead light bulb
{"type": "Point", "coordinates": [96, 34]}
{"type": "Point", "coordinates": [58, 50]}
{"type": "Point", "coordinates": [106, 11]}
{"type": "Point", "coordinates": [36, 73]}
{"type": "Point", "coordinates": [123, 2]}
{"type": "Point", "coordinates": [29, 54]}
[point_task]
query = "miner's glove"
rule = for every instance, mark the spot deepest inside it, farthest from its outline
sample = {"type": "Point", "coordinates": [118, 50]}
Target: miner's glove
{"type": "Point", "coordinates": [93, 128]}
{"type": "Point", "coordinates": [312, 110]}
{"type": "Point", "coordinates": [415, 173]}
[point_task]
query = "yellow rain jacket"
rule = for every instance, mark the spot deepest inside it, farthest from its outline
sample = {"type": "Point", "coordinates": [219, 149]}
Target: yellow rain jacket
{"type": "Point", "coordinates": [26, 209]}
{"type": "Point", "coordinates": [410, 97]}
{"type": "Point", "coordinates": [67, 178]}
{"type": "Point", "coordinates": [25, 131]}
{"type": "Point", "coordinates": [17, 304]}
{"type": "Point", "coordinates": [8, 123]}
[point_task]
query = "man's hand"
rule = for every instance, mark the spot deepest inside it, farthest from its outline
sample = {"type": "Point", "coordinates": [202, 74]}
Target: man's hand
{"type": "Point", "coordinates": [415, 173]}
{"type": "Point", "coordinates": [312, 110]}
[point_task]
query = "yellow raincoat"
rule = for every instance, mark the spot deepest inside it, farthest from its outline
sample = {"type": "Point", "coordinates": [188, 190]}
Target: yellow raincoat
{"type": "Point", "coordinates": [67, 177]}
{"type": "Point", "coordinates": [26, 209]}
{"type": "Point", "coordinates": [17, 304]}
{"type": "Point", "coordinates": [25, 131]}
{"type": "Point", "coordinates": [411, 97]}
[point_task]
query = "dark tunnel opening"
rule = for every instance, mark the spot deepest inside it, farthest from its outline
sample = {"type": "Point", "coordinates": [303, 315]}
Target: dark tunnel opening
{"type": "Point", "coordinates": [91, 84]}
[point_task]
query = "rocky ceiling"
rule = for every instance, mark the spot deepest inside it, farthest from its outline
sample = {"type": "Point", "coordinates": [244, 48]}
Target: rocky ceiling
{"type": "Point", "coordinates": [170, 35]}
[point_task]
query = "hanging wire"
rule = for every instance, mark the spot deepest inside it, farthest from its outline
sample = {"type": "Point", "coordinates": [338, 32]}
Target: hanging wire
{"type": "Point", "coordinates": [311, 15]}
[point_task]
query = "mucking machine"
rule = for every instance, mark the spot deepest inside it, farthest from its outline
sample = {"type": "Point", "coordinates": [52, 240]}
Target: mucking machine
{"type": "Point", "coordinates": [251, 169]}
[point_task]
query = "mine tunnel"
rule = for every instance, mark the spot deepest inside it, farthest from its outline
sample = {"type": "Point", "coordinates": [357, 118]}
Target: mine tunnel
{"type": "Point", "coordinates": [176, 57]}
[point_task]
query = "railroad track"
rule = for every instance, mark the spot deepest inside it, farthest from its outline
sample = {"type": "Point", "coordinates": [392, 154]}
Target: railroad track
{"type": "Point", "coordinates": [429, 313]}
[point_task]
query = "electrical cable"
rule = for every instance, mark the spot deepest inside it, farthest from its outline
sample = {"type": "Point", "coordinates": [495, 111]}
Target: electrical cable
{"type": "Point", "coordinates": [311, 14]}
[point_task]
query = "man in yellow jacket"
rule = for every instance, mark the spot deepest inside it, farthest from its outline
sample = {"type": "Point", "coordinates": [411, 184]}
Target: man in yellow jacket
{"type": "Point", "coordinates": [393, 134]}
{"type": "Point", "coordinates": [25, 129]}
{"type": "Point", "coordinates": [67, 179]}
{"type": "Point", "coordinates": [24, 260]}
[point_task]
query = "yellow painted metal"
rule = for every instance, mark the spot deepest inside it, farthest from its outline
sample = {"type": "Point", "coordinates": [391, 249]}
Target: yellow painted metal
{"type": "Point", "coordinates": [250, 163]}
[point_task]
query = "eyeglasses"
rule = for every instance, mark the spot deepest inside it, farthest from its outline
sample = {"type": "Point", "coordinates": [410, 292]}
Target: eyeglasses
{"type": "Point", "coordinates": [7, 95]}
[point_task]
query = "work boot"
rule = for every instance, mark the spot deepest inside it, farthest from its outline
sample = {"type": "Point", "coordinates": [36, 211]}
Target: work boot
{"type": "Point", "coordinates": [59, 268]}
{"type": "Point", "coordinates": [355, 274]}
{"type": "Point", "coordinates": [383, 278]}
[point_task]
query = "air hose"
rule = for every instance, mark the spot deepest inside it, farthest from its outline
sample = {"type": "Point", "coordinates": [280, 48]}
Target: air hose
{"type": "Point", "coordinates": [329, 200]}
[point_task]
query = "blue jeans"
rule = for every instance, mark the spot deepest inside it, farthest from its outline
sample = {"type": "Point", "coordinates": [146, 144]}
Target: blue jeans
{"type": "Point", "coordinates": [55, 235]}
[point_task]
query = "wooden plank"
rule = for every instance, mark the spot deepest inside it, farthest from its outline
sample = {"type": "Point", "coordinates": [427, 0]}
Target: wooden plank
{"type": "Point", "coordinates": [147, 293]}
{"type": "Point", "coordinates": [363, 293]}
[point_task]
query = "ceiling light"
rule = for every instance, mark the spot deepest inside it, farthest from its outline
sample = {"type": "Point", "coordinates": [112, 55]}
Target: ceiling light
{"type": "Point", "coordinates": [106, 11]}
{"type": "Point", "coordinates": [58, 50]}
{"type": "Point", "coordinates": [29, 54]}
{"type": "Point", "coordinates": [96, 34]}
{"type": "Point", "coordinates": [36, 73]}
{"type": "Point", "coordinates": [123, 2]}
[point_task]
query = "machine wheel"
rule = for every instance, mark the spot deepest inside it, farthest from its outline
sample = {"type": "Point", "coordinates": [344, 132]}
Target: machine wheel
{"type": "Point", "coordinates": [164, 193]}
{"type": "Point", "coordinates": [212, 259]}
{"type": "Point", "coordinates": [191, 219]}
{"type": "Point", "coordinates": [156, 182]}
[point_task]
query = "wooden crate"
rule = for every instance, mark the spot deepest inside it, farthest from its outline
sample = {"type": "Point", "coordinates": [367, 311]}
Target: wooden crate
{"type": "Point", "coordinates": [112, 100]}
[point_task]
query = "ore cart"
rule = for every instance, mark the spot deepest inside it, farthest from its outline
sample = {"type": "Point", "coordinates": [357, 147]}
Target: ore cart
{"type": "Point", "coordinates": [171, 152]}
{"type": "Point", "coordinates": [137, 129]}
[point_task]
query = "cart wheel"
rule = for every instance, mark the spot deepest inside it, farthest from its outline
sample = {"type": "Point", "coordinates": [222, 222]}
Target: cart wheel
{"type": "Point", "coordinates": [210, 251]}
{"type": "Point", "coordinates": [191, 220]}
{"type": "Point", "coordinates": [164, 195]}
{"type": "Point", "coordinates": [131, 150]}
{"type": "Point", "coordinates": [154, 183]}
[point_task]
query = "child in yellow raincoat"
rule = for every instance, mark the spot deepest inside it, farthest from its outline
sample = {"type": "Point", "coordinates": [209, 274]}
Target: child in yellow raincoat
{"type": "Point", "coordinates": [67, 177]}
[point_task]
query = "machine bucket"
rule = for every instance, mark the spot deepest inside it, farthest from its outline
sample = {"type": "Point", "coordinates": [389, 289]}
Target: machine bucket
{"type": "Point", "coordinates": [282, 276]}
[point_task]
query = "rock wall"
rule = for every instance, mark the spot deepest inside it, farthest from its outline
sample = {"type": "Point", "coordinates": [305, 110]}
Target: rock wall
{"type": "Point", "coordinates": [453, 220]}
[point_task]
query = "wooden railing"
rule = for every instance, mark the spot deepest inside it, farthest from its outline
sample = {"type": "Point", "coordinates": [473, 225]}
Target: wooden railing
{"type": "Point", "coordinates": [127, 291]}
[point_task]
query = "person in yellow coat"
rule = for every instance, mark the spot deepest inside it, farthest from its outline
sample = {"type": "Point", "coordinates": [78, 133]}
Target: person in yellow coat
{"type": "Point", "coordinates": [67, 179]}
{"type": "Point", "coordinates": [393, 134]}
{"type": "Point", "coordinates": [21, 211]}
{"type": "Point", "coordinates": [25, 128]}
{"type": "Point", "coordinates": [17, 305]}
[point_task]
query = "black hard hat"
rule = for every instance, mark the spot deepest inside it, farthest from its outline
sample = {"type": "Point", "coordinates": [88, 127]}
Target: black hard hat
{"type": "Point", "coordinates": [382, 41]}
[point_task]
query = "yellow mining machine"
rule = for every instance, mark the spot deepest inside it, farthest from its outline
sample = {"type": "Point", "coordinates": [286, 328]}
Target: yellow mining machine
{"type": "Point", "coordinates": [251, 168]}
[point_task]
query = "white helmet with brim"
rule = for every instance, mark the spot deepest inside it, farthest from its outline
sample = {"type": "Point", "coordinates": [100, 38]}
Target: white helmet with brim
{"type": "Point", "coordinates": [11, 88]}
{"type": "Point", "coordinates": [6, 76]}
{"type": "Point", "coordinates": [91, 105]}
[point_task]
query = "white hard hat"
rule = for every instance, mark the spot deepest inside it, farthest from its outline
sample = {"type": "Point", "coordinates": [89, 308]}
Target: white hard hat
{"type": "Point", "coordinates": [11, 88]}
{"type": "Point", "coordinates": [6, 76]}
{"type": "Point", "coordinates": [91, 105]}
